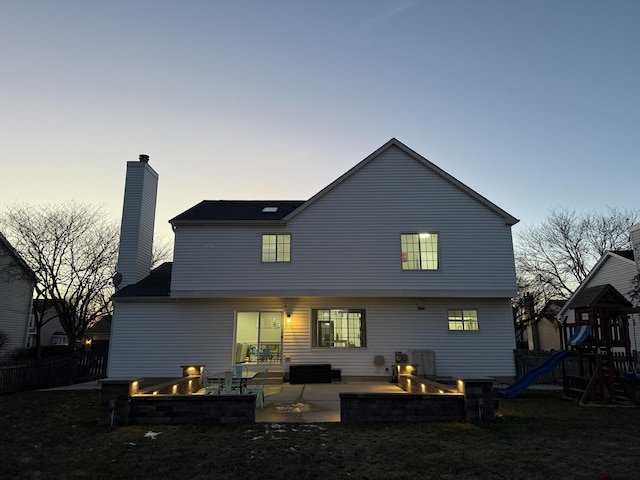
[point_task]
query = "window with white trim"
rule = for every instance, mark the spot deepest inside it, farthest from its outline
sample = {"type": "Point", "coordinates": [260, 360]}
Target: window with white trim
{"type": "Point", "coordinates": [419, 251]}
{"type": "Point", "coordinates": [463, 320]}
{"type": "Point", "coordinates": [276, 247]}
{"type": "Point", "coordinates": [338, 328]}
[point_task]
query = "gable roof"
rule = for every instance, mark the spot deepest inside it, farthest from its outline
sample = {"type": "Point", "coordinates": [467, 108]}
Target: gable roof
{"type": "Point", "coordinates": [156, 284]}
{"type": "Point", "coordinates": [625, 256]}
{"type": "Point", "coordinates": [509, 220]}
{"type": "Point", "coordinates": [217, 212]}
{"type": "Point", "coordinates": [237, 211]}
{"type": "Point", "coordinates": [628, 254]}
{"type": "Point", "coordinates": [14, 253]}
{"type": "Point", "coordinates": [590, 297]}
{"type": "Point", "coordinates": [550, 309]}
{"type": "Point", "coordinates": [44, 304]}
{"type": "Point", "coordinates": [100, 327]}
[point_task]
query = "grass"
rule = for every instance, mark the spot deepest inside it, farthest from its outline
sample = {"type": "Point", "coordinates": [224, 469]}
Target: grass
{"type": "Point", "coordinates": [55, 435]}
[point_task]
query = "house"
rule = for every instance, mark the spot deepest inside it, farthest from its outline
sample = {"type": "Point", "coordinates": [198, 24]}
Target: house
{"type": "Point", "coordinates": [51, 332]}
{"type": "Point", "coordinates": [543, 333]}
{"type": "Point", "coordinates": [16, 291]}
{"type": "Point", "coordinates": [97, 336]}
{"type": "Point", "coordinates": [615, 268]}
{"type": "Point", "coordinates": [395, 255]}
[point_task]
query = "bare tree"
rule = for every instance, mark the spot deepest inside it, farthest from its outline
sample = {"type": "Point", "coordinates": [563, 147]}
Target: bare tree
{"type": "Point", "coordinates": [162, 251]}
{"type": "Point", "coordinates": [72, 250]}
{"type": "Point", "coordinates": [553, 258]}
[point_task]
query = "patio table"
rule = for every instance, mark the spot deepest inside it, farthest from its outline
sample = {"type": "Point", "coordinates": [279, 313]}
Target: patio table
{"type": "Point", "coordinates": [227, 380]}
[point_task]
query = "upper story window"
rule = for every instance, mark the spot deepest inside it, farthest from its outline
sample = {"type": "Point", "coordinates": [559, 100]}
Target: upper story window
{"type": "Point", "coordinates": [276, 248]}
{"type": "Point", "coordinates": [338, 328]}
{"type": "Point", "coordinates": [419, 251]}
{"type": "Point", "coordinates": [463, 319]}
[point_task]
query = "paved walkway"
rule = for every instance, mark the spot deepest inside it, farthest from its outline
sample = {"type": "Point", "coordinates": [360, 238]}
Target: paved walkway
{"type": "Point", "coordinates": [311, 402]}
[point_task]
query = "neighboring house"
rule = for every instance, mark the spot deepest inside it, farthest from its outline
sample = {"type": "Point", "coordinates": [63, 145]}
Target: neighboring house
{"type": "Point", "coordinates": [395, 255]}
{"type": "Point", "coordinates": [16, 291]}
{"type": "Point", "coordinates": [51, 332]}
{"type": "Point", "coordinates": [96, 337]}
{"type": "Point", "coordinates": [618, 269]}
{"type": "Point", "coordinates": [543, 333]}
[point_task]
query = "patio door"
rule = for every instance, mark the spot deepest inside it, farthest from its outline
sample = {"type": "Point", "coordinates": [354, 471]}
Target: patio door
{"type": "Point", "coordinates": [258, 337]}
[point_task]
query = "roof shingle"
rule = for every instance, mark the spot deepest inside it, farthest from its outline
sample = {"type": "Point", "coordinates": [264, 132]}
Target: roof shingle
{"type": "Point", "coordinates": [238, 211]}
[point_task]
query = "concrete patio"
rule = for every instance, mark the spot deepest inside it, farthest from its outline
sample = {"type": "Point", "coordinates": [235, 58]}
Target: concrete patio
{"type": "Point", "coordinates": [307, 403]}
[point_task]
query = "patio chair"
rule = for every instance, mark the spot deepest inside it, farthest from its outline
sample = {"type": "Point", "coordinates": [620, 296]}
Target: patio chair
{"type": "Point", "coordinates": [258, 386]}
{"type": "Point", "coordinates": [227, 383]}
{"type": "Point", "coordinates": [211, 382]}
{"type": "Point", "coordinates": [240, 378]}
{"type": "Point", "coordinates": [266, 354]}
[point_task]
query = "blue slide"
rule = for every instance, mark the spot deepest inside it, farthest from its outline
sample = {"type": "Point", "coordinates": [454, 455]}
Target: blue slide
{"type": "Point", "coordinates": [580, 334]}
{"type": "Point", "coordinates": [521, 385]}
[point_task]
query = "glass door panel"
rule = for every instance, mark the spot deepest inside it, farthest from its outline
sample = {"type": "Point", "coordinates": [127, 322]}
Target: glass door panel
{"type": "Point", "coordinates": [270, 345]}
{"type": "Point", "coordinates": [258, 337]}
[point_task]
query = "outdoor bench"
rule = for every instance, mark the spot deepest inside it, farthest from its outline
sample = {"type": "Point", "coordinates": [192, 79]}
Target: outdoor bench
{"type": "Point", "coordinates": [310, 373]}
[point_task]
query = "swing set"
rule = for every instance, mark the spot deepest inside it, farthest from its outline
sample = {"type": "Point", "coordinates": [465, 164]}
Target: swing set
{"type": "Point", "coordinates": [604, 369]}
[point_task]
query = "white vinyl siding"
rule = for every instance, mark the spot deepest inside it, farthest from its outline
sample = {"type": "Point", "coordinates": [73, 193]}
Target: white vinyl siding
{"type": "Point", "coordinates": [137, 226]}
{"type": "Point", "coordinates": [347, 243]}
{"type": "Point", "coordinates": [16, 293]}
{"type": "Point", "coordinates": [617, 272]}
{"type": "Point", "coordinates": [155, 339]}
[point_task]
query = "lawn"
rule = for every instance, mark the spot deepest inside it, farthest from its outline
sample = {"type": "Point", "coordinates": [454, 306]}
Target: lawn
{"type": "Point", "coordinates": [55, 435]}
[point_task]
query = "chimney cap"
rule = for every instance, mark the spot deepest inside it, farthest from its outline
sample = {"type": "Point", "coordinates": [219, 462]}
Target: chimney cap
{"type": "Point", "coordinates": [144, 158]}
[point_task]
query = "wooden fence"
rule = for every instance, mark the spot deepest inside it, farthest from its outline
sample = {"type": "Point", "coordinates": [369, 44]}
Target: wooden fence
{"type": "Point", "coordinates": [52, 372]}
{"type": "Point", "coordinates": [527, 360]}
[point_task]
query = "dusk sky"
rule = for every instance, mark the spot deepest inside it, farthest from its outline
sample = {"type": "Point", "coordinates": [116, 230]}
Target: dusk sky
{"type": "Point", "coordinates": [533, 104]}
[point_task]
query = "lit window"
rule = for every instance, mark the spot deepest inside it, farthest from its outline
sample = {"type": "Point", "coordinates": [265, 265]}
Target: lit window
{"type": "Point", "coordinates": [276, 248]}
{"type": "Point", "coordinates": [419, 251]}
{"type": "Point", "coordinates": [463, 319]}
{"type": "Point", "coordinates": [338, 328]}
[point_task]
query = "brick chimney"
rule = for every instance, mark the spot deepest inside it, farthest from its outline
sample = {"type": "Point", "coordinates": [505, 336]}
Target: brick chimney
{"type": "Point", "coordinates": [138, 219]}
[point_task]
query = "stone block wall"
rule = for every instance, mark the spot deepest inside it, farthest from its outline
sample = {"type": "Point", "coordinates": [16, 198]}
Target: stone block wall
{"type": "Point", "coordinates": [479, 401]}
{"type": "Point", "coordinates": [398, 407]}
{"type": "Point", "coordinates": [192, 409]}
{"type": "Point", "coordinates": [114, 401]}
{"type": "Point", "coordinates": [470, 399]}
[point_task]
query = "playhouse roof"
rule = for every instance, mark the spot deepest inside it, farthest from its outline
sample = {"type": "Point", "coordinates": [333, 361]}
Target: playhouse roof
{"type": "Point", "coordinates": [601, 295]}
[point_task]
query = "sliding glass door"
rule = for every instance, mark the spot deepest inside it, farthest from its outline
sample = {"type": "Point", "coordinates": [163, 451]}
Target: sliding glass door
{"type": "Point", "coordinates": [258, 337]}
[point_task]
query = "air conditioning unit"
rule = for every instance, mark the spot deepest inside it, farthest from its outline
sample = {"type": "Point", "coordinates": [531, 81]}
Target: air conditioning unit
{"type": "Point", "coordinates": [426, 361]}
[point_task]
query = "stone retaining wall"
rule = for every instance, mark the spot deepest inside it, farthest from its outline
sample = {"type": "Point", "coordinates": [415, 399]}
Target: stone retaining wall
{"type": "Point", "coordinates": [401, 407]}
{"type": "Point", "coordinates": [470, 400]}
{"type": "Point", "coordinates": [192, 409]}
{"type": "Point", "coordinates": [120, 404]}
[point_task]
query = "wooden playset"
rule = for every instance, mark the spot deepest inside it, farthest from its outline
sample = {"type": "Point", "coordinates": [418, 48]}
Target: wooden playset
{"type": "Point", "coordinates": [603, 369]}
